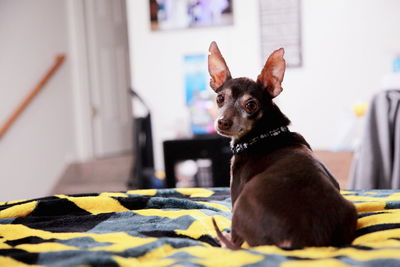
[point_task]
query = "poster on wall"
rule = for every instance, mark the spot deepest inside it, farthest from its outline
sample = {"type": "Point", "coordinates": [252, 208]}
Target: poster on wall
{"type": "Point", "coordinates": [199, 97]}
{"type": "Point", "coordinates": [280, 23]}
{"type": "Point", "coordinates": [183, 14]}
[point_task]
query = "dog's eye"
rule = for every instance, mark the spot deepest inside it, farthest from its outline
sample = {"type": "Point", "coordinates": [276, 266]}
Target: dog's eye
{"type": "Point", "coordinates": [251, 106]}
{"type": "Point", "coordinates": [220, 99]}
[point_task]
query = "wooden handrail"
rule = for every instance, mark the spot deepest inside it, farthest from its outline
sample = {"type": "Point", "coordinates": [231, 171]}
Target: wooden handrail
{"type": "Point", "coordinates": [28, 99]}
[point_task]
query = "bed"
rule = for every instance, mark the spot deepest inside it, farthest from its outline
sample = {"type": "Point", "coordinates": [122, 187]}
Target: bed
{"type": "Point", "coordinates": [172, 227]}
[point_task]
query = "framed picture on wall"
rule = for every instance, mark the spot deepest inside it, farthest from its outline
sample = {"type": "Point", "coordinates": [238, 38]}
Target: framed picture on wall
{"type": "Point", "coordinates": [199, 98]}
{"type": "Point", "coordinates": [184, 14]}
{"type": "Point", "coordinates": [280, 24]}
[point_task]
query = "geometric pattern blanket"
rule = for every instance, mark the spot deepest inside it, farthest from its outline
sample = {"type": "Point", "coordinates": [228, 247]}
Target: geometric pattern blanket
{"type": "Point", "coordinates": [173, 227]}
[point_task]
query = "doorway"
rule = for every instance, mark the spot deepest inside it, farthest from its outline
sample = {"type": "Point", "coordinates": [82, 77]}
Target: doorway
{"type": "Point", "coordinates": [100, 55]}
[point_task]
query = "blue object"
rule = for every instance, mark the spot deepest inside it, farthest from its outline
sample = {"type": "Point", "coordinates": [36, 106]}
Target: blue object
{"type": "Point", "coordinates": [396, 64]}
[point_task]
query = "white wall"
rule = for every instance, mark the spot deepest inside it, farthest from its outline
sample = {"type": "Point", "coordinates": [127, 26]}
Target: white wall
{"type": "Point", "coordinates": [34, 151]}
{"type": "Point", "coordinates": [348, 46]}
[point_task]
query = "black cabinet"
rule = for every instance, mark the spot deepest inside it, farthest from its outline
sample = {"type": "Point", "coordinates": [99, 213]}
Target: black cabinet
{"type": "Point", "coordinates": [212, 147]}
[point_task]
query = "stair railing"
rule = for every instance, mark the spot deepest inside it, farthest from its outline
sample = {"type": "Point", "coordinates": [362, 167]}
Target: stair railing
{"type": "Point", "coordinates": [28, 98]}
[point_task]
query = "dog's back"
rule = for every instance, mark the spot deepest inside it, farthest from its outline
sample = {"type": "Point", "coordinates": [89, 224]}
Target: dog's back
{"type": "Point", "coordinates": [291, 201]}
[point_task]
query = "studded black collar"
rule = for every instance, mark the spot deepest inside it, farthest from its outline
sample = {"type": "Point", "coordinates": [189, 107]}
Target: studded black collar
{"type": "Point", "coordinates": [240, 147]}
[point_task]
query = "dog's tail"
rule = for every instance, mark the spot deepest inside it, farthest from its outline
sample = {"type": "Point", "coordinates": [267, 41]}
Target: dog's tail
{"type": "Point", "coordinates": [225, 242]}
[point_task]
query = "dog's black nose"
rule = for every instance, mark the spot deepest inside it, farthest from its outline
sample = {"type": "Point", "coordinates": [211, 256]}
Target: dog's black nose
{"type": "Point", "coordinates": [224, 124]}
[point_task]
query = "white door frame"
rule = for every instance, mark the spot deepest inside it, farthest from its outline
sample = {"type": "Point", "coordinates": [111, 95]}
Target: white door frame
{"type": "Point", "coordinates": [84, 80]}
{"type": "Point", "coordinates": [79, 60]}
{"type": "Point", "coordinates": [108, 54]}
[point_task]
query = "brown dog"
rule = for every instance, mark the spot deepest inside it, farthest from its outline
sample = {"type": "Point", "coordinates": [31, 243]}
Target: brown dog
{"type": "Point", "coordinates": [281, 195]}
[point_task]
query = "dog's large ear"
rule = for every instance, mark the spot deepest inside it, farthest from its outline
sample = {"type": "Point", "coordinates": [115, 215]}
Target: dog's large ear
{"type": "Point", "coordinates": [272, 74]}
{"type": "Point", "coordinates": [217, 67]}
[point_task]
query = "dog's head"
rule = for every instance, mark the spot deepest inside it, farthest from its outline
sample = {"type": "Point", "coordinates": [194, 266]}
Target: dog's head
{"type": "Point", "coordinates": [242, 101]}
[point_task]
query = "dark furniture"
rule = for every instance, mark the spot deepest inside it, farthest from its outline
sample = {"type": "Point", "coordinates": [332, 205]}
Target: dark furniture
{"type": "Point", "coordinates": [142, 170]}
{"type": "Point", "coordinates": [213, 147]}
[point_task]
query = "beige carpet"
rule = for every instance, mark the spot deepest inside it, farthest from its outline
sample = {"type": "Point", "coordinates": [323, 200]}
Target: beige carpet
{"type": "Point", "coordinates": [108, 174]}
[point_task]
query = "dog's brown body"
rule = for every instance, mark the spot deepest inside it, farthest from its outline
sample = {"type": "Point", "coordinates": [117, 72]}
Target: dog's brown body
{"type": "Point", "coordinates": [281, 195]}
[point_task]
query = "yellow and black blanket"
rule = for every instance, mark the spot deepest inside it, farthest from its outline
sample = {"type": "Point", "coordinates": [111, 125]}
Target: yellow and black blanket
{"type": "Point", "coordinates": [172, 227]}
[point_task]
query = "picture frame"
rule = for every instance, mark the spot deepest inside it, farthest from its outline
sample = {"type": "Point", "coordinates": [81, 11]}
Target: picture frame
{"type": "Point", "coordinates": [185, 14]}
